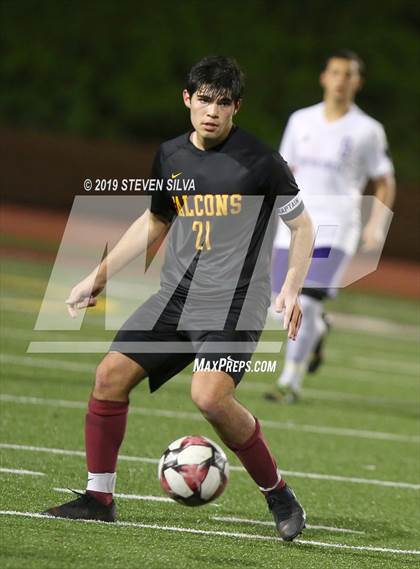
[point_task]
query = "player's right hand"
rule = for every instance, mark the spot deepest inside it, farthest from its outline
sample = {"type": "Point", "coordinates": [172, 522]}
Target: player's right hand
{"type": "Point", "coordinates": [287, 303]}
{"type": "Point", "coordinates": [83, 294]}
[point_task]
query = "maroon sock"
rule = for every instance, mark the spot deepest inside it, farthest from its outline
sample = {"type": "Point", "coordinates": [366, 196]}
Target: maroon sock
{"type": "Point", "coordinates": [104, 432]}
{"type": "Point", "coordinates": [258, 461]}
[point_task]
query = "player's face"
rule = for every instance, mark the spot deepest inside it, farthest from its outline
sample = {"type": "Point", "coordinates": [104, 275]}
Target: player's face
{"type": "Point", "coordinates": [211, 116]}
{"type": "Point", "coordinates": [341, 80]}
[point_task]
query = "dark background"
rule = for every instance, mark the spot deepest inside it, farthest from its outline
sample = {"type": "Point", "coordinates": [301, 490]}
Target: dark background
{"type": "Point", "coordinates": [90, 88]}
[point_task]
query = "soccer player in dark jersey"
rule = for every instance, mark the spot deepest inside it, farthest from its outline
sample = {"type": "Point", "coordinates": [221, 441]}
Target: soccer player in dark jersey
{"type": "Point", "coordinates": [209, 281]}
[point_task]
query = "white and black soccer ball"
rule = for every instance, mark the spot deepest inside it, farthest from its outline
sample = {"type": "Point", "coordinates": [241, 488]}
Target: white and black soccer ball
{"type": "Point", "coordinates": [193, 470]}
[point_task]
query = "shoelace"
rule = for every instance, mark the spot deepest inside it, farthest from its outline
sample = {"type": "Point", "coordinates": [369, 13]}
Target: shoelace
{"type": "Point", "coordinates": [82, 497]}
{"type": "Point", "coordinates": [278, 502]}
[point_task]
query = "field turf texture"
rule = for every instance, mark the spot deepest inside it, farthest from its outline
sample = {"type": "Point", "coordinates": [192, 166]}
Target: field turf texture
{"type": "Point", "coordinates": [349, 449]}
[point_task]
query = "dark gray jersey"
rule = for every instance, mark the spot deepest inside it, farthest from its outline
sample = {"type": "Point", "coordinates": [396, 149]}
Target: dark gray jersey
{"type": "Point", "coordinates": [221, 203]}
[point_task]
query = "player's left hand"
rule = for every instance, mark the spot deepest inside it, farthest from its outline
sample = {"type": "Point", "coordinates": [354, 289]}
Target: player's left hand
{"type": "Point", "coordinates": [372, 238]}
{"type": "Point", "coordinates": [288, 303]}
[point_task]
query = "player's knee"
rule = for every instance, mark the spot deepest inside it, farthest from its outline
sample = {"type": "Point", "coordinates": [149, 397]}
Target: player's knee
{"type": "Point", "coordinates": [210, 404]}
{"type": "Point", "coordinates": [109, 382]}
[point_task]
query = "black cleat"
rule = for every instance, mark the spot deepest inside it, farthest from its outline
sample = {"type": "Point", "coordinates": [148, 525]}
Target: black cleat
{"type": "Point", "coordinates": [85, 507]}
{"type": "Point", "coordinates": [317, 356]}
{"type": "Point", "coordinates": [288, 514]}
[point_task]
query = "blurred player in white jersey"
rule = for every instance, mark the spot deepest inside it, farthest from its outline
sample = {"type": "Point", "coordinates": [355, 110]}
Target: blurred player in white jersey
{"type": "Point", "coordinates": [333, 149]}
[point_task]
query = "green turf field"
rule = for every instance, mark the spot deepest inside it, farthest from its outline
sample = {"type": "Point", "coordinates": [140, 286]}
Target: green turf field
{"type": "Point", "coordinates": [350, 451]}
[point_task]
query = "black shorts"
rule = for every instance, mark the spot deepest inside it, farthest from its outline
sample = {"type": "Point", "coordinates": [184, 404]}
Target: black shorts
{"type": "Point", "coordinates": [163, 350]}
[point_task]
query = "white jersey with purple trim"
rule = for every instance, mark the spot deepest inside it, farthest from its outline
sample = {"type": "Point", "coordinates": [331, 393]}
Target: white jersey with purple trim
{"type": "Point", "coordinates": [332, 162]}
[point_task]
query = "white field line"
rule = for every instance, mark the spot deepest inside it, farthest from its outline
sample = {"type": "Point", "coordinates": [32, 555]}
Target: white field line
{"type": "Point", "coordinates": [125, 496]}
{"type": "Point", "coordinates": [234, 520]}
{"type": "Point", "coordinates": [337, 353]}
{"type": "Point", "coordinates": [17, 333]}
{"type": "Point", "coordinates": [80, 367]}
{"type": "Point", "coordinates": [381, 364]}
{"type": "Point", "coordinates": [355, 374]}
{"type": "Point", "coordinates": [28, 335]}
{"type": "Point", "coordinates": [367, 324]}
{"type": "Point", "coordinates": [353, 480]}
{"type": "Point", "coordinates": [289, 426]}
{"type": "Point", "coordinates": [17, 471]}
{"type": "Point", "coordinates": [383, 361]}
{"type": "Point", "coordinates": [195, 531]}
{"type": "Point", "coordinates": [28, 308]}
{"type": "Point", "coordinates": [247, 385]}
{"type": "Point", "coordinates": [366, 375]}
{"type": "Point", "coordinates": [343, 322]}
{"type": "Point", "coordinates": [356, 398]}
{"type": "Point", "coordinates": [374, 326]}
{"type": "Point", "coordinates": [362, 340]}
{"type": "Point", "coordinates": [132, 497]}
{"type": "Point", "coordinates": [322, 394]}
{"type": "Point", "coordinates": [297, 474]}
{"type": "Point", "coordinates": [57, 364]}
{"type": "Point", "coordinates": [409, 368]}
{"type": "Point", "coordinates": [334, 354]}
{"type": "Point", "coordinates": [360, 373]}
{"type": "Point", "coordinates": [216, 518]}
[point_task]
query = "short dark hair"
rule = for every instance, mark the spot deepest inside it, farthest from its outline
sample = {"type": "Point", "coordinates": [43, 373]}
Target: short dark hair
{"type": "Point", "coordinates": [220, 75]}
{"type": "Point", "coordinates": [345, 54]}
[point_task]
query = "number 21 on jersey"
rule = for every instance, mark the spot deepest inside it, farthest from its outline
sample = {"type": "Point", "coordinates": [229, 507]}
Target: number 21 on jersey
{"type": "Point", "coordinates": [202, 240]}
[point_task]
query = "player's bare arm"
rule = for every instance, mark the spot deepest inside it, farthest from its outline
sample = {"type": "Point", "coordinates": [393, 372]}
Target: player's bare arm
{"type": "Point", "coordinates": [374, 232]}
{"type": "Point", "coordinates": [139, 236]}
{"type": "Point", "coordinates": [301, 244]}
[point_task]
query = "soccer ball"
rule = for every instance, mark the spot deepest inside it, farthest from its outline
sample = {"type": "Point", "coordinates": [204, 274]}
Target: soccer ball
{"type": "Point", "coordinates": [193, 470]}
